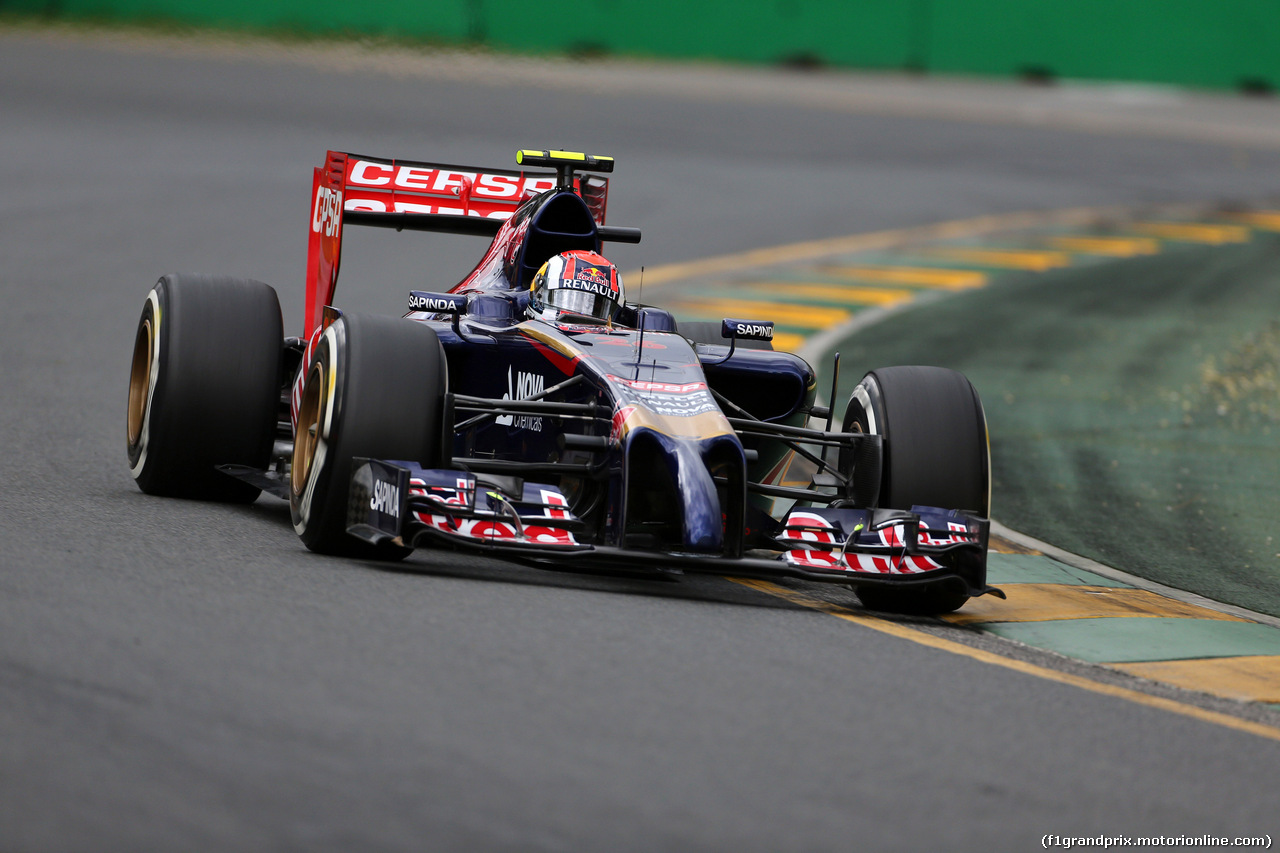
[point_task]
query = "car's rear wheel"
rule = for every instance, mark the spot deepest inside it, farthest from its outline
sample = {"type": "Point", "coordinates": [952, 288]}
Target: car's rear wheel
{"type": "Point", "coordinates": [374, 388]}
{"type": "Point", "coordinates": [936, 453]}
{"type": "Point", "coordinates": [204, 386]}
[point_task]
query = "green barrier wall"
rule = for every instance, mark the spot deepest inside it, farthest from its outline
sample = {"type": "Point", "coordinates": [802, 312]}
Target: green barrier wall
{"type": "Point", "coordinates": [1214, 43]}
{"type": "Point", "coordinates": [445, 20]}
{"type": "Point", "coordinates": [1221, 43]}
{"type": "Point", "coordinates": [863, 33]}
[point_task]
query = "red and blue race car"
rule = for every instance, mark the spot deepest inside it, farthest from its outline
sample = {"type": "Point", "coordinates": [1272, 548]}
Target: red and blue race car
{"type": "Point", "coordinates": [533, 412]}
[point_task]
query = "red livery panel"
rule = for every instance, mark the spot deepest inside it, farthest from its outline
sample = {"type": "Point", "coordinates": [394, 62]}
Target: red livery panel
{"type": "Point", "coordinates": [351, 182]}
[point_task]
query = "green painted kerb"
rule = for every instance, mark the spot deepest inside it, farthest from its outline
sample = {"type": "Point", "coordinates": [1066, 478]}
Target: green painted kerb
{"type": "Point", "coordinates": [1028, 568]}
{"type": "Point", "coordinates": [1130, 640]}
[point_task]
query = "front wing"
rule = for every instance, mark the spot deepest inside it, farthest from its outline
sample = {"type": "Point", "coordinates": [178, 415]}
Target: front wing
{"type": "Point", "coordinates": [405, 504]}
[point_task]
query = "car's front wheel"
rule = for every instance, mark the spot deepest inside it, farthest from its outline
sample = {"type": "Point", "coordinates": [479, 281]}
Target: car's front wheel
{"type": "Point", "coordinates": [936, 453]}
{"type": "Point", "coordinates": [374, 387]}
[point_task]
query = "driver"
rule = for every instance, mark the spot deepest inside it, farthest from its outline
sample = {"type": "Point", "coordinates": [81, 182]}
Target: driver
{"type": "Point", "coordinates": [578, 283]}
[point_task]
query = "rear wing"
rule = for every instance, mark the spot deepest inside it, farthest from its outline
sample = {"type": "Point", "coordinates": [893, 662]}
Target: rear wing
{"type": "Point", "coordinates": [351, 189]}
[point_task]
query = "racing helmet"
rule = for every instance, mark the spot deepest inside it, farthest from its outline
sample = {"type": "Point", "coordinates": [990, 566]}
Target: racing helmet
{"type": "Point", "coordinates": [576, 282]}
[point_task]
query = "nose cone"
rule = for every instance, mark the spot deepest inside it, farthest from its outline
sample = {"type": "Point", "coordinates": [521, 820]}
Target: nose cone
{"type": "Point", "coordinates": [677, 480]}
{"type": "Point", "coordinates": [703, 528]}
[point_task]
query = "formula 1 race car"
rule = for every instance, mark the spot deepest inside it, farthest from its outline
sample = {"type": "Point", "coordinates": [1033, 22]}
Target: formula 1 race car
{"type": "Point", "coordinates": [533, 412]}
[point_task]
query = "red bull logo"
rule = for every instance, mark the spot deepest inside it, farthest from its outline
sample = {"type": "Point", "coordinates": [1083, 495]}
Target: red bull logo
{"type": "Point", "coordinates": [594, 275]}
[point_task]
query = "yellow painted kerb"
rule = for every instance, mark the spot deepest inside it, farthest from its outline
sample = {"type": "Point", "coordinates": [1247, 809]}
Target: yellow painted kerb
{"type": "Point", "coordinates": [894, 629]}
{"type": "Point", "coordinates": [1253, 678]}
{"type": "Point", "coordinates": [1043, 602]}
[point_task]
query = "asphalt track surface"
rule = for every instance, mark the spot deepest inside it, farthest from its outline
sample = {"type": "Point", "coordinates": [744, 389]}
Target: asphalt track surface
{"type": "Point", "coordinates": [176, 675]}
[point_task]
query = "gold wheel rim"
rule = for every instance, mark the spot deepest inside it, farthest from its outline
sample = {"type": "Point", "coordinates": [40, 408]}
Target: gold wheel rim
{"type": "Point", "coordinates": [308, 434]}
{"type": "Point", "coordinates": [140, 380]}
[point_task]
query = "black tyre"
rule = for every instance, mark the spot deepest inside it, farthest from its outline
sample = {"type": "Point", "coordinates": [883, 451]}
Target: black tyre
{"type": "Point", "coordinates": [936, 453]}
{"type": "Point", "coordinates": [704, 332]}
{"type": "Point", "coordinates": [374, 388]}
{"type": "Point", "coordinates": [204, 386]}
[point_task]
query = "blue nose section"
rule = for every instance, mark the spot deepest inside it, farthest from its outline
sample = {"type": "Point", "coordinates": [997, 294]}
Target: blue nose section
{"type": "Point", "coordinates": [702, 521]}
{"type": "Point", "coordinates": [671, 478]}
{"type": "Point", "coordinates": [703, 528]}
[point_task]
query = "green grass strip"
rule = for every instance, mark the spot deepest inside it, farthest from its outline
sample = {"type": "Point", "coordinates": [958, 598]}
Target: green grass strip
{"type": "Point", "coordinates": [1134, 408]}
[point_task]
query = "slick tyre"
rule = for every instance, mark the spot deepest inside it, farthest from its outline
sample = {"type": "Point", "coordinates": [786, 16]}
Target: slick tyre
{"type": "Point", "coordinates": [935, 454]}
{"type": "Point", "coordinates": [374, 387]}
{"type": "Point", "coordinates": [204, 386]}
{"type": "Point", "coordinates": [700, 332]}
